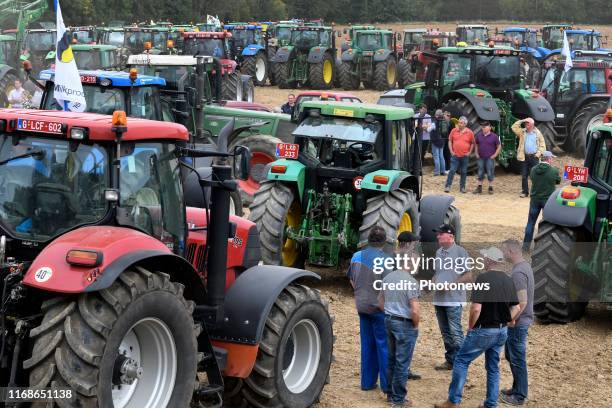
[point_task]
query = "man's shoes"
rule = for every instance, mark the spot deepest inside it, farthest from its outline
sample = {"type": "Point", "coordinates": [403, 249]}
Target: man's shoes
{"type": "Point", "coordinates": [405, 404]}
{"type": "Point", "coordinates": [414, 376]}
{"type": "Point", "coordinates": [490, 189]}
{"type": "Point", "coordinates": [523, 195]}
{"type": "Point", "coordinates": [446, 404]}
{"type": "Point", "coordinates": [478, 190]}
{"type": "Point", "coordinates": [511, 400]}
{"type": "Point", "coordinates": [447, 189]}
{"type": "Point", "coordinates": [506, 391]}
{"type": "Point", "coordinates": [463, 190]}
{"type": "Point", "coordinates": [445, 366]}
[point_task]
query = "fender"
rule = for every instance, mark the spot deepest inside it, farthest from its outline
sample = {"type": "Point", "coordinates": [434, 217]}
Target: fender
{"type": "Point", "coordinates": [485, 106]}
{"type": "Point", "coordinates": [315, 55]}
{"type": "Point", "coordinates": [119, 247]}
{"type": "Point", "coordinates": [252, 49]}
{"type": "Point", "coordinates": [283, 54]}
{"type": "Point", "coordinates": [544, 52]}
{"type": "Point", "coordinates": [347, 56]}
{"type": "Point", "coordinates": [571, 213]}
{"type": "Point", "coordinates": [295, 172]}
{"type": "Point", "coordinates": [525, 104]}
{"type": "Point", "coordinates": [7, 69]}
{"type": "Point", "coordinates": [433, 211]}
{"type": "Point", "coordinates": [382, 56]}
{"type": "Point", "coordinates": [395, 180]}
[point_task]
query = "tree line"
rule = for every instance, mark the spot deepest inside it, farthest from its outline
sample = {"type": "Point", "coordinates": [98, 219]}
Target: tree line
{"type": "Point", "coordinates": [77, 12]}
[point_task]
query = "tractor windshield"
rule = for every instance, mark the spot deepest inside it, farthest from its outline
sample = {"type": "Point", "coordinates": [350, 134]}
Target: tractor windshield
{"type": "Point", "coordinates": [369, 42]}
{"type": "Point", "coordinates": [114, 38]}
{"type": "Point", "coordinates": [55, 190]}
{"type": "Point", "coordinates": [283, 34]}
{"type": "Point", "coordinates": [553, 37]}
{"type": "Point", "coordinates": [7, 52]}
{"type": "Point", "coordinates": [171, 73]}
{"type": "Point", "coordinates": [242, 38]}
{"type": "Point", "coordinates": [305, 38]}
{"type": "Point", "coordinates": [578, 41]}
{"type": "Point", "coordinates": [357, 130]}
{"type": "Point", "coordinates": [205, 46]}
{"type": "Point", "coordinates": [457, 69]}
{"type": "Point", "coordinates": [92, 60]}
{"type": "Point", "coordinates": [412, 40]}
{"type": "Point", "coordinates": [498, 72]}
{"type": "Point", "coordinates": [83, 37]}
{"type": "Point", "coordinates": [40, 41]}
{"type": "Point", "coordinates": [134, 40]}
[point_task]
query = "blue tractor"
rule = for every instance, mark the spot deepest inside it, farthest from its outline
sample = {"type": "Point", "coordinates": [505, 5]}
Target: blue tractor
{"type": "Point", "coordinates": [249, 47]}
{"type": "Point", "coordinates": [526, 41]}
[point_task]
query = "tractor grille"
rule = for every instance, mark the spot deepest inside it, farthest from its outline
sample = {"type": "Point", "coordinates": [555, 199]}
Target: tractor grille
{"type": "Point", "coordinates": [190, 252]}
{"type": "Point", "coordinates": [200, 259]}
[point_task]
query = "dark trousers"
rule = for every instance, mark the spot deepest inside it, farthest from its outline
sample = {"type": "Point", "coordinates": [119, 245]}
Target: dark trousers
{"type": "Point", "coordinates": [530, 162]}
{"type": "Point", "coordinates": [449, 322]}
{"type": "Point", "coordinates": [374, 351]}
{"type": "Point", "coordinates": [447, 154]}
{"type": "Point", "coordinates": [460, 164]}
{"type": "Point", "coordinates": [401, 338]}
{"type": "Point", "coordinates": [534, 212]}
{"type": "Point", "coordinates": [516, 354]}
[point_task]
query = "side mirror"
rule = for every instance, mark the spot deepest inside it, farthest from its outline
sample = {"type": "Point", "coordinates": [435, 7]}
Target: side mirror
{"type": "Point", "coordinates": [242, 162]}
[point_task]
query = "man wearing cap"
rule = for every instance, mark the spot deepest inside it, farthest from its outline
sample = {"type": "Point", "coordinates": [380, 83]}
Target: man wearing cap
{"type": "Point", "coordinates": [488, 147]}
{"type": "Point", "coordinates": [461, 145]}
{"type": "Point", "coordinates": [494, 305]}
{"type": "Point", "coordinates": [516, 345]}
{"type": "Point", "coordinates": [530, 149]}
{"type": "Point", "coordinates": [449, 265]}
{"type": "Point", "coordinates": [400, 301]}
{"type": "Point", "coordinates": [543, 177]}
{"type": "Point", "coordinates": [371, 317]}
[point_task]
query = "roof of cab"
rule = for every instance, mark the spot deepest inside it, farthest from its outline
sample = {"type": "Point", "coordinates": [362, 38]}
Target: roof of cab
{"type": "Point", "coordinates": [99, 127]}
{"type": "Point", "coordinates": [359, 110]}
{"type": "Point", "coordinates": [117, 78]}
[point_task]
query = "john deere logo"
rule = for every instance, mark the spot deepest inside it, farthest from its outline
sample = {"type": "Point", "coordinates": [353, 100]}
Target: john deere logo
{"type": "Point", "coordinates": [64, 50]}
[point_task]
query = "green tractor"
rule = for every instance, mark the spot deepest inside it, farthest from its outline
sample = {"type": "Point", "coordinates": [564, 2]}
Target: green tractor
{"type": "Point", "coordinates": [308, 58]}
{"type": "Point", "coordinates": [348, 170]}
{"type": "Point", "coordinates": [484, 83]}
{"type": "Point", "coordinates": [94, 56]}
{"type": "Point", "coordinates": [572, 259]}
{"type": "Point", "coordinates": [372, 59]}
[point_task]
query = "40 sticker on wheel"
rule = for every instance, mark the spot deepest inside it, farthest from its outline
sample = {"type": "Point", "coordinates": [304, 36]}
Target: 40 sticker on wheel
{"type": "Point", "coordinates": [287, 150]}
{"type": "Point", "coordinates": [43, 274]}
{"type": "Point", "coordinates": [357, 182]}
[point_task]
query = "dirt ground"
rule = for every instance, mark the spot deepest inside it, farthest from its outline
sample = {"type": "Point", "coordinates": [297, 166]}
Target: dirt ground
{"type": "Point", "coordinates": [569, 366]}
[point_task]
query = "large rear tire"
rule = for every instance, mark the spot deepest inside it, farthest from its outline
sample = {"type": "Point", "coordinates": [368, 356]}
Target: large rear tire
{"type": "Point", "coordinates": [589, 115]}
{"type": "Point", "coordinates": [263, 151]}
{"type": "Point", "coordinates": [348, 81]}
{"type": "Point", "coordinates": [385, 74]}
{"type": "Point", "coordinates": [272, 66]}
{"type": "Point", "coordinates": [282, 74]}
{"type": "Point", "coordinates": [552, 271]}
{"type": "Point", "coordinates": [232, 87]}
{"type": "Point", "coordinates": [321, 74]}
{"type": "Point", "coordinates": [396, 211]}
{"type": "Point", "coordinates": [295, 352]}
{"type": "Point", "coordinates": [276, 207]}
{"type": "Point", "coordinates": [257, 67]}
{"type": "Point", "coordinates": [248, 90]}
{"type": "Point", "coordinates": [7, 84]}
{"type": "Point", "coordinates": [99, 342]}
{"type": "Point", "coordinates": [405, 76]}
{"type": "Point", "coordinates": [462, 107]}
{"type": "Point", "coordinates": [550, 135]}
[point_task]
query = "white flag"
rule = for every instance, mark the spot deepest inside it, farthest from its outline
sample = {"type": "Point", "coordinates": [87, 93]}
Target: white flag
{"type": "Point", "coordinates": [567, 52]}
{"type": "Point", "coordinates": [68, 89]}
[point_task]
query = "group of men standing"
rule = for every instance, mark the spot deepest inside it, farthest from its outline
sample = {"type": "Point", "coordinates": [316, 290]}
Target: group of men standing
{"type": "Point", "coordinates": [499, 317]}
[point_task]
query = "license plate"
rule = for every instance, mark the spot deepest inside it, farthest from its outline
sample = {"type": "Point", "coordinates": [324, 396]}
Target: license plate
{"type": "Point", "coordinates": [89, 79]}
{"type": "Point", "coordinates": [287, 150]}
{"type": "Point", "coordinates": [576, 173]}
{"type": "Point", "coordinates": [41, 126]}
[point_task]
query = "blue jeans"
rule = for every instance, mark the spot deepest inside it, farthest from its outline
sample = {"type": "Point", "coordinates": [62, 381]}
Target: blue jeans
{"type": "Point", "coordinates": [461, 164]}
{"type": "Point", "coordinates": [516, 354]}
{"type": "Point", "coordinates": [438, 157]}
{"type": "Point", "coordinates": [534, 212]}
{"type": "Point", "coordinates": [401, 338]}
{"type": "Point", "coordinates": [374, 354]}
{"type": "Point", "coordinates": [478, 341]}
{"type": "Point", "coordinates": [487, 165]}
{"type": "Point", "coordinates": [449, 321]}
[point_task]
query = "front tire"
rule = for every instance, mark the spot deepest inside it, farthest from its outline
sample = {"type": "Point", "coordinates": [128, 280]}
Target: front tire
{"type": "Point", "coordinates": [550, 135]}
{"type": "Point", "coordinates": [282, 74]}
{"type": "Point", "coordinates": [321, 74]}
{"type": "Point", "coordinates": [248, 90]}
{"type": "Point", "coordinates": [405, 76]}
{"type": "Point", "coordinates": [6, 86]}
{"type": "Point", "coordinates": [257, 67]}
{"type": "Point", "coordinates": [348, 81]}
{"type": "Point", "coordinates": [140, 322]}
{"type": "Point", "coordinates": [589, 115]}
{"type": "Point", "coordinates": [385, 74]}
{"type": "Point", "coordinates": [232, 87]}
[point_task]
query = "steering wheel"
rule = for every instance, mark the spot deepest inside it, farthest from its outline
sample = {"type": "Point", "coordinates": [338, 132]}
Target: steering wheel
{"type": "Point", "coordinates": [364, 149]}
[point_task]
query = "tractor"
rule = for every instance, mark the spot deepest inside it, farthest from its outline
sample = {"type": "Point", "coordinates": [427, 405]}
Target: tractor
{"type": "Point", "coordinates": [347, 171]}
{"type": "Point", "coordinates": [472, 34]}
{"type": "Point", "coordinates": [350, 32]}
{"type": "Point", "coordinates": [413, 38]}
{"type": "Point", "coordinates": [585, 40]}
{"type": "Point", "coordinates": [526, 41]}
{"type": "Point", "coordinates": [552, 35]}
{"type": "Point", "coordinates": [249, 46]}
{"type": "Point", "coordinates": [117, 293]}
{"type": "Point", "coordinates": [93, 57]}
{"type": "Point", "coordinates": [579, 97]}
{"type": "Point", "coordinates": [484, 83]}
{"type": "Point", "coordinates": [572, 256]}
{"type": "Point", "coordinates": [84, 35]}
{"type": "Point", "coordinates": [308, 59]}
{"type": "Point", "coordinates": [37, 44]}
{"type": "Point", "coordinates": [371, 59]}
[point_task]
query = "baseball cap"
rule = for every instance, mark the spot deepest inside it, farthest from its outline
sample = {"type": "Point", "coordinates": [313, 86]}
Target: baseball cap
{"type": "Point", "coordinates": [446, 228]}
{"type": "Point", "coordinates": [547, 154]}
{"type": "Point", "coordinates": [493, 253]}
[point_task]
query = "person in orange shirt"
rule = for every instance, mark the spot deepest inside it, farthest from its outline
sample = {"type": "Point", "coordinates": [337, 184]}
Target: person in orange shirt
{"type": "Point", "coordinates": [461, 145]}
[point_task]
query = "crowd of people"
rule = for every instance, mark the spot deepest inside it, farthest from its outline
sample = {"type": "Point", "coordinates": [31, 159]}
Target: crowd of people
{"type": "Point", "coordinates": [500, 314]}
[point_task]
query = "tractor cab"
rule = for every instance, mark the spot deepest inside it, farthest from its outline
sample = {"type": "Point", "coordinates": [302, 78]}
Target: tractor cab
{"type": "Point", "coordinates": [283, 33]}
{"type": "Point", "coordinates": [413, 38]}
{"type": "Point", "coordinates": [112, 36]}
{"type": "Point", "coordinates": [552, 35]}
{"type": "Point", "coordinates": [8, 50]}
{"type": "Point", "coordinates": [216, 44]}
{"type": "Point", "coordinates": [96, 57]}
{"type": "Point", "coordinates": [587, 40]}
{"type": "Point", "coordinates": [306, 37]}
{"type": "Point", "coordinates": [37, 45]}
{"type": "Point", "coordinates": [472, 33]}
{"type": "Point", "coordinates": [245, 36]}
{"type": "Point", "coordinates": [432, 40]}
{"type": "Point", "coordinates": [521, 37]}
{"type": "Point", "coordinates": [83, 35]}
{"type": "Point", "coordinates": [153, 40]}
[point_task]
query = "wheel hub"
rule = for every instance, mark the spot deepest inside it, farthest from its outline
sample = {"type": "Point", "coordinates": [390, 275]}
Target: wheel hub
{"type": "Point", "coordinates": [126, 370]}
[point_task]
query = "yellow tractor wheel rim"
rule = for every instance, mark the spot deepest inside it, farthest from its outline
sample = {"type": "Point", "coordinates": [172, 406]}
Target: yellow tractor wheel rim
{"type": "Point", "coordinates": [7, 93]}
{"type": "Point", "coordinates": [390, 74]}
{"type": "Point", "coordinates": [405, 224]}
{"type": "Point", "coordinates": [290, 250]}
{"type": "Point", "coordinates": [327, 72]}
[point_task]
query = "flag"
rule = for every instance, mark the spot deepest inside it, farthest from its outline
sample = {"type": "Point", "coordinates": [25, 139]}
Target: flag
{"type": "Point", "coordinates": [567, 52]}
{"type": "Point", "coordinates": [68, 90]}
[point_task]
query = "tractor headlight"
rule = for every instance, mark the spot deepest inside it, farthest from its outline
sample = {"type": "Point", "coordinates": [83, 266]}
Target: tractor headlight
{"type": "Point", "coordinates": [78, 133]}
{"type": "Point", "coordinates": [596, 135]}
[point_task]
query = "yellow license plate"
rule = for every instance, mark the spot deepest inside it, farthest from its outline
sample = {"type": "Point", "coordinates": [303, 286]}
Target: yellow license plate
{"type": "Point", "coordinates": [343, 112]}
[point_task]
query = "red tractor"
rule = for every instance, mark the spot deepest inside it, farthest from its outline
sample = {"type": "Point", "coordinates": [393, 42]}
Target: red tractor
{"type": "Point", "coordinates": [411, 68]}
{"type": "Point", "coordinates": [114, 293]}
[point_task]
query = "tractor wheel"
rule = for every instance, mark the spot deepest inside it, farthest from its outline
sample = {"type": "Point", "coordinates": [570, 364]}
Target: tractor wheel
{"type": "Point", "coordinates": [272, 66]}
{"type": "Point", "coordinates": [396, 211]}
{"type": "Point", "coordinates": [385, 74]}
{"type": "Point", "coordinates": [263, 151]}
{"type": "Point", "coordinates": [295, 352]}
{"type": "Point", "coordinates": [321, 75]}
{"type": "Point", "coordinates": [589, 115]}
{"type": "Point", "coordinates": [550, 134]}
{"type": "Point", "coordinates": [552, 270]}
{"type": "Point", "coordinates": [236, 204]}
{"type": "Point", "coordinates": [514, 166]}
{"type": "Point", "coordinates": [232, 87]}
{"type": "Point", "coordinates": [282, 74]}
{"type": "Point", "coordinates": [120, 346]}
{"type": "Point", "coordinates": [257, 67]}
{"type": "Point", "coordinates": [462, 107]}
{"type": "Point", "coordinates": [275, 207]}
{"type": "Point", "coordinates": [6, 86]}
{"type": "Point", "coordinates": [405, 76]}
{"type": "Point", "coordinates": [248, 90]}
{"type": "Point", "coordinates": [337, 83]}
{"type": "Point", "coordinates": [348, 81]}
